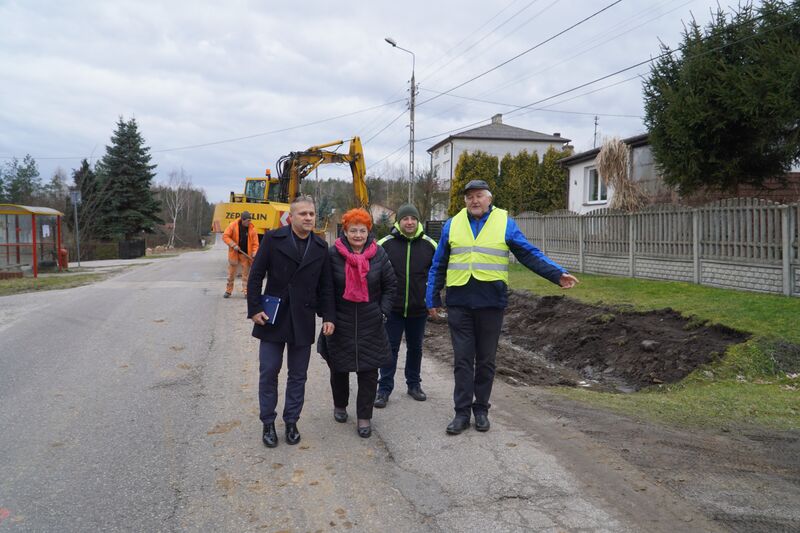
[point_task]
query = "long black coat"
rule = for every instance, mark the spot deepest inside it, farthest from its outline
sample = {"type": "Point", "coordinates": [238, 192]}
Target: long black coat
{"type": "Point", "coordinates": [359, 341]}
{"type": "Point", "coordinates": [304, 288]}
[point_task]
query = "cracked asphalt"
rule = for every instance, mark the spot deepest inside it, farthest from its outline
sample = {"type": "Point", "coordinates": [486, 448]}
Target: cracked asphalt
{"type": "Point", "coordinates": [131, 404]}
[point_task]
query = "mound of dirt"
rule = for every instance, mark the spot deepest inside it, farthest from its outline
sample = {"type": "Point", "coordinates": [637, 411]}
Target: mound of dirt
{"type": "Point", "coordinates": [554, 340]}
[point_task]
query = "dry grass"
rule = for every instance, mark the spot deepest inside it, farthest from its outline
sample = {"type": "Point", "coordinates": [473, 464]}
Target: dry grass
{"type": "Point", "coordinates": [612, 164]}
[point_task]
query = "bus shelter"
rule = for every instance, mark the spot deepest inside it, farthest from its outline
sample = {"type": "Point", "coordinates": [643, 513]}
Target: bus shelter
{"type": "Point", "coordinates": [29, 236]}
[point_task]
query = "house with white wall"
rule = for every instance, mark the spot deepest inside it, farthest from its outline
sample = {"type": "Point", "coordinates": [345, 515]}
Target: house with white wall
{"type": "Point", "coordinates": [588, 192]}
{"type": "Point", "coordinates": [496, 139]}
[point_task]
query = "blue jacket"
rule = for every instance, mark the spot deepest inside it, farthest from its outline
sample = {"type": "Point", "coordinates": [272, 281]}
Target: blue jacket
{"type": "Point", "coordinates": [479, 294]}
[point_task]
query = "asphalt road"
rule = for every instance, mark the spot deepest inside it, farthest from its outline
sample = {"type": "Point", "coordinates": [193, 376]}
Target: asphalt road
{"type": "Point", "coordinates": [131, 404]}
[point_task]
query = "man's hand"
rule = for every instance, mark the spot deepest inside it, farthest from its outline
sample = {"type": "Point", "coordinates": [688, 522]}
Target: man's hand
{"type": "Point", "coordinates": [236, 247]}
{"type": "Point", "coordinates": [260, 318]}
{"type": "Point", "coordinates": [568, 281]}
{"type": "Point", "coordinates": [433, 312]}
{"type": "Point", "coordinates": [327, 328]}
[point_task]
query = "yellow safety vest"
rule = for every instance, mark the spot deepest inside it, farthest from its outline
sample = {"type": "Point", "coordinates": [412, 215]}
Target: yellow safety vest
{"type": "Point", "coordinates": [486, 257]}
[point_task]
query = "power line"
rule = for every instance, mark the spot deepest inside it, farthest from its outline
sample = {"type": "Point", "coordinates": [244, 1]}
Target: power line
{"type": "Point", "coordinates": [623, 23]}
{"type": "Point", "coordinates": [631, 67]}
{"type": "Point", "coordinates": [253, 136]}
{"type": "Point", "coordinates": [538, 108]}
{"type": "Point", "coordinates": [562, 32]}
{"type": "Point", "coordinates": [384, 158]}
{"type": "Point", "coordinates": [395, 119]}
{"type": "Point", "coordinates": [476, 43]}
{"type": "Point", "coordinates": [462, 41]}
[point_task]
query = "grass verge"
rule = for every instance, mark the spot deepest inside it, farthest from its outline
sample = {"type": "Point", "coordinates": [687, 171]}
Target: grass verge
{"type": "Point", "coordinates": [755, 384]}
{"type": "Point", "coordinates": [18, 285]}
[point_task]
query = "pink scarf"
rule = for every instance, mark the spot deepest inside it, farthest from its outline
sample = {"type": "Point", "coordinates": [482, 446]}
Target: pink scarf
{"type": "Point", "coordinates": [356, 267]}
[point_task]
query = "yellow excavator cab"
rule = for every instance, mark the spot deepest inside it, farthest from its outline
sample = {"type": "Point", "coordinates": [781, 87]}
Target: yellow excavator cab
{"type": "Point", "coordinates": [267, 198]}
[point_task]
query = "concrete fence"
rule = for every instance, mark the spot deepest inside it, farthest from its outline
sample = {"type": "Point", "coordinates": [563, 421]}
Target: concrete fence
{"type": "Point", "coordinates": [739, 243]}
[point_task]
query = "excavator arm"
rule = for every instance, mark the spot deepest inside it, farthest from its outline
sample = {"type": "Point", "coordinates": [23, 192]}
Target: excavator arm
{"type": "Point", "coordinates": [294, 167]}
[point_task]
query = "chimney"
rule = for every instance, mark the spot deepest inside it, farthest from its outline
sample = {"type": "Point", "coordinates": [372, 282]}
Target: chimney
{"type": "Point", "coordinates": [557, 134]}
{"type": "Point", "coordinates": [497, 119]}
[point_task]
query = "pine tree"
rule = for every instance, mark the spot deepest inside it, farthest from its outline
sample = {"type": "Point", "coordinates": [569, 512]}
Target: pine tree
{"type": "Point", "coordinates": [23, 183]}
{"type": "Point", "coordinates": [125, 174]}
{"type": "Point", "coordinates": [471, 166]}
{"type": "Point", "coordinates": [725, 111]}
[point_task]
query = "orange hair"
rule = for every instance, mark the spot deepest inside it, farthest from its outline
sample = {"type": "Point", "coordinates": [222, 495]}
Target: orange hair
{"type": "Point", "coordinates": [357, 216]}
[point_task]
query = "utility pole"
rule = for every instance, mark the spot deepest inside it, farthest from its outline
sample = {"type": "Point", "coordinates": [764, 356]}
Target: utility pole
{"type": "Point", "coordinates": [594, 144]}
{"type": "Point", "coordinates": [411, 140]}
{"type": "Point", "coordinates": [411, 122]}
{"type": "Point", "coordinates": [75, 198]}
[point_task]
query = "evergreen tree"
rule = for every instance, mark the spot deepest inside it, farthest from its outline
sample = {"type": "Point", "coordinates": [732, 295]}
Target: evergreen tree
{"type": "Point", "coordinates": [471, 166]}
{"type": "Point", "coordinates": [125, 174]}
{"type": "Point", "coordinates": [725, 112]}
{"type": "Point", "coordinates": [550, 184]}
{"type": "Point", "coordinates": [23, 183]}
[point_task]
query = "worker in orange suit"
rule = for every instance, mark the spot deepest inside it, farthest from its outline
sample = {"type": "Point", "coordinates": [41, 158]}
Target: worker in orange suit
{"type": "Point", "coordinates": [242, 241]}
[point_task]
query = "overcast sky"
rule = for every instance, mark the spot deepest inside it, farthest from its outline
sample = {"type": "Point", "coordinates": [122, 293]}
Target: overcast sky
{"type": "Point", "coordinates": [194, 73]}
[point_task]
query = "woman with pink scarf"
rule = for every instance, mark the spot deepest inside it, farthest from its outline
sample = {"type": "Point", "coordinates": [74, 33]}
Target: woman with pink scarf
{"type": "Point", "coordinates": [364, 287]}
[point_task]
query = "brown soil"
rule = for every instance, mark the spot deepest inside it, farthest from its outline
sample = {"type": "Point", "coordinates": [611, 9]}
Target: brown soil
{"type": "Point", "coordinates": [744, 480]}
{"type": "Point", "coordinates": [554, 340]}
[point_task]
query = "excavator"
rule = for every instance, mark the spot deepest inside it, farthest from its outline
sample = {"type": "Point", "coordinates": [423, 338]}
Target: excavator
{"type": "Point", "coordinates": [268, 198]}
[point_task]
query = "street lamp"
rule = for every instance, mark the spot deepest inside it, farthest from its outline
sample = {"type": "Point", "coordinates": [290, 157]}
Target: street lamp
{"type": "Point", "coordinates": [411, 123]}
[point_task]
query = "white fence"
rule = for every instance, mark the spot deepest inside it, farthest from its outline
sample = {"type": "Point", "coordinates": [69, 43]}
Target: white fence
{"type": "Point", "coordinates": [740, 243]}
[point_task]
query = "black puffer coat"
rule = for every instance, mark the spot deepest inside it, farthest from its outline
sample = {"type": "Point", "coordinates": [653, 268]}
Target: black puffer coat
{"type": "Point", "coordinates": [359, 341]}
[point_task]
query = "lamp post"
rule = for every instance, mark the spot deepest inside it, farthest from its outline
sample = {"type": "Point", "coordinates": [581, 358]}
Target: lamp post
{"type": "Point", "coordinates": [411, 123]}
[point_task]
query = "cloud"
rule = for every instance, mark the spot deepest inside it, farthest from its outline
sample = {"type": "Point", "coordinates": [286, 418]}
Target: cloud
{"type": "Point", "coordinates": [194, 73]}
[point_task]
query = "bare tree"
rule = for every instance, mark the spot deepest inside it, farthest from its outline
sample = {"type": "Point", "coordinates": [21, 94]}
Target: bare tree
{"type": "Point", "coordinates": [176, 196]}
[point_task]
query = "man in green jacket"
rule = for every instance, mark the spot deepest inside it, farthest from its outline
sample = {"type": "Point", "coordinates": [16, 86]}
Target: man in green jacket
{"type": "Point", "coordinates": [411, 253]}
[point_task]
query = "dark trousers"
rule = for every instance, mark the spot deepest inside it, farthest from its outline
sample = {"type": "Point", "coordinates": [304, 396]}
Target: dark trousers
{"type": "Point", "coordinates": [414, 328]}
{"type": "Point", "coordinates": [367, 381]}
{"type": "Point", "coordinates": [270, 355]}
{"type": "Point", "coordinates": [474, 333]}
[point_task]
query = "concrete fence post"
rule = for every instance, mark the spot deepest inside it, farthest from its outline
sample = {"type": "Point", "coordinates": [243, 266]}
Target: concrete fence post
{"type": "Point", "coordinates": [786, 256]}
{"type": "Point", "coordinates": [696, 246]}
{"type": "Point", "coordinates": [631, 245]}
{"type": "Point", "coordinates": [581, 245]}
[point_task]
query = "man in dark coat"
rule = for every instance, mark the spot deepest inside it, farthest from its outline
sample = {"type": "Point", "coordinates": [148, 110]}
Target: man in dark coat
{"type": "Point", "coordinates": [298, 271]}
{"type": "Point", "coordinates": [411, 253]}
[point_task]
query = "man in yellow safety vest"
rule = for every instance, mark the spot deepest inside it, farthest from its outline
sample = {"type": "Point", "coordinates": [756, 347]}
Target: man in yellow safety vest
{"type": "Point", "coordinates": [472, 262]}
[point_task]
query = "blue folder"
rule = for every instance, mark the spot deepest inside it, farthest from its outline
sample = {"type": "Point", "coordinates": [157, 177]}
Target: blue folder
{"type": "Point", "coordinates": [270, 304]}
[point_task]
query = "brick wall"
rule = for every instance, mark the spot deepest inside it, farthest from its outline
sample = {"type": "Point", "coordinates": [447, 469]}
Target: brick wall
{"type": "Point", "coordinates": [742, 276]}
{"type": "Point", "coordinates": [658, 268]}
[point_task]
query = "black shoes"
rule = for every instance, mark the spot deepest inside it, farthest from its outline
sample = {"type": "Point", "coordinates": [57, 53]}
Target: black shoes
{"type": "Point", "coordinates": [269, 437]}
{"type": "Point", "coordinates": [226, 295]}
{"type": "Point", "coordinates": [459, 424]}
{"type": "Point", "coordinates": [417, 394]}
{"type": "Point", "coordinates": [292, 435]}
{"type": "Point", "coordinates": [365, 432]}
{"type": "Point", "coordinates": [340, 416]}
{"type": "Point", "coordinates": [482, 422]}
{"type": "Point", "coordinates": [381, 400]}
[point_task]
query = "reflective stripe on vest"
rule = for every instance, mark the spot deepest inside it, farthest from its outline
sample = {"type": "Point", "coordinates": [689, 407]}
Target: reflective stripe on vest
{"type": "Point", "coordinates": [484, 257]}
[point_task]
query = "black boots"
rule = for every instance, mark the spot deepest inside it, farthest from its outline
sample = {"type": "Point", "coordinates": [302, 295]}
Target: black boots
{"type": "Point", "coordinates": [292, 435]}
{"type": "Point", "coordinates": [269, 436]}
{"type": "Point", "coordinates": [459, 424]}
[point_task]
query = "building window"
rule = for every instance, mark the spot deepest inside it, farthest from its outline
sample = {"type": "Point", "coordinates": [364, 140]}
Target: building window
{"type": "Point", "coordinates": [595, 187]}
{"type": "Point", "coordinates": [436, 154]}
{"type": "Point", "coordinates": [446, 149]}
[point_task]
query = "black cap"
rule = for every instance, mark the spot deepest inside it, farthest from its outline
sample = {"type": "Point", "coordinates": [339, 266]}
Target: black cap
{"type": "Point", "coordinates": [476, 184]}
{"type": "Point", "coordinates": [246, 215]}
